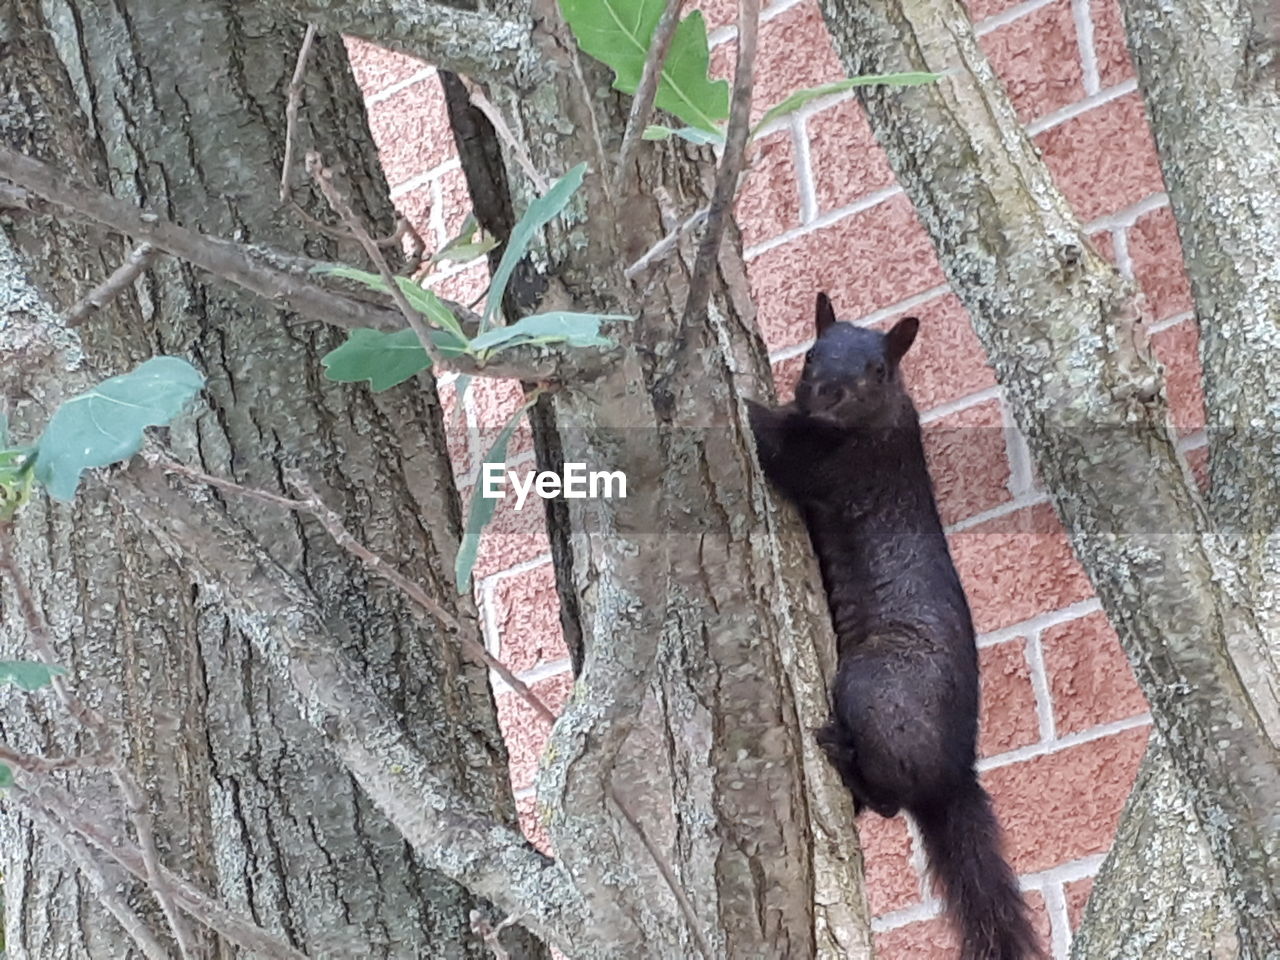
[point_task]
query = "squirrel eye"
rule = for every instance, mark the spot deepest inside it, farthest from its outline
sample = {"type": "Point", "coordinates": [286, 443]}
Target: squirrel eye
{"type": "Point", "coordinates": [880, 369]}
{"type": "Point", "coordinates": [808, 356]}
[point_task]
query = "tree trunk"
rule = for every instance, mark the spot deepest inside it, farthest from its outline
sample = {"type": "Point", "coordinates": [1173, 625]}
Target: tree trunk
{"type": "Point", "coordinates": [247, 799]}
{"type": "Point", "coordinates": [1064, 333]}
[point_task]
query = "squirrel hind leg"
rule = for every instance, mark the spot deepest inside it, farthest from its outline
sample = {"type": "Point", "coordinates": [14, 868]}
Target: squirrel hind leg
{"type": "Point", "coordinates": [838, 746]}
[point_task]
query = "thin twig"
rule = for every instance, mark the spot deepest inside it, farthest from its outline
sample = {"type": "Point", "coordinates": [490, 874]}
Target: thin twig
{"type": "Point", "coordinates": [642, 102]}
{"type": "Point", "coordinates": [664, 246]}
{"type": "Point", "coordinates": [38, 765]}
{"type": "Point", "coordinates": [494, 116]}
{"type": "Point", "coordinates": [41, 640]}
{"type": "Point", "coordinates": [87, 863]}
{"type": "Point", "coordinates": [56, 814]}
{"type": "Point", "coordinates": [133, 266]}
{"type": "Point", "coordinates": [291, 113]}
{"type": "Point", "coordinates": [324, 178]}
{"type": "Point", "coordinates": [312, 504]}
{"type": "Point", "coordinates": [730, 163]}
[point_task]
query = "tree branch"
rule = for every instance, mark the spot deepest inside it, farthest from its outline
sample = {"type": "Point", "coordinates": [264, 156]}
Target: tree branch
{"type": "Point", "coordinates": [280, 277]}
{"type": "Point", "coordinates": [480, 45]}
{"type": "Point", "coordinates": [283, 621]}
{"type": "Point", "coordinates": [646, 91]}
{"type": "Point", "coordinates": [137, 263]}
{"type": "Point", "coordinates": [1064, 333]}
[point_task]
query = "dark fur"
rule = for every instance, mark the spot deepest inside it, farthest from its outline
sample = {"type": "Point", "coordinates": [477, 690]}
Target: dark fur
{"type": "Point", "coordinates": [905, 698]}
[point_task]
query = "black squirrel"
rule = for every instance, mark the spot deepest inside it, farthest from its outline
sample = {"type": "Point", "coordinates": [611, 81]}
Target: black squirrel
{"type": "Point", "coordinates": [904, 728]}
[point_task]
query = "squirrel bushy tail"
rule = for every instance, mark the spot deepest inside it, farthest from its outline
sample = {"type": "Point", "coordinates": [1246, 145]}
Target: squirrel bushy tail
{"type": "Point", "coordinates": [962, 838]}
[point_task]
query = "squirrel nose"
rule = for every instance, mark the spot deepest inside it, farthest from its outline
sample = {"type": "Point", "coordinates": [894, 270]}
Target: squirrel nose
{"type": "Point", "coordinates": [825, 396]}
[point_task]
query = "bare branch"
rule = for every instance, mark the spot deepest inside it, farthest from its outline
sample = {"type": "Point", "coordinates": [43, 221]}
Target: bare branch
{"type": "Point", "coordinates": [57, 815]}
{"type": "Point", "coordinates": [642, 102]}
{"type": "Point", "coordinates": [341, 204]}
{"type": "Point", "coordinates": [133, 267]}
{"type": "Point", "coordinates": [730, 162]}
{"type": "Point", "coordinates": [104, 888]}
{"type": "Point", "coordinates": [495, 118]}
{"type": "Point", "coordinates": [258, 270]}
{"type": "Point", "coordinates": [291, 113]}
{"type": "Point", "coordinates": [283, 620]}
{"type": "Point", "coordinates": [480, 45]}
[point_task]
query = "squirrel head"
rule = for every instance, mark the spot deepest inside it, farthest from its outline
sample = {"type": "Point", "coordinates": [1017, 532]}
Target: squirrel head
{"type": "Point", "coordinates": [851, 377]}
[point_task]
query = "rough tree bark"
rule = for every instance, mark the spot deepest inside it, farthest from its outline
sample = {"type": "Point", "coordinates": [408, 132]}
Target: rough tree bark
{"type": "Point", "coordinates": [1064, 332]}
{"type": "Point", "coordinates": [705, 638]}
{"type": "Point", "coordinates": [248, 800]}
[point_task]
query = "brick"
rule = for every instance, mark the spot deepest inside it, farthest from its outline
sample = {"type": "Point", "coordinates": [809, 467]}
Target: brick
{"type": "Point", "coordinates": [1016, 566]}
{"type": "Point", "coordinates": [846, 160]}
{"type": "Point", "coordinates": [511, 537]}
{"type": "Point", "coordinates": [455, 203]}
{"type": "Point", "coordinates": [786, 374]}
{"type": "Point", "coordinates": [1008, 719]}
{"type": "Point", "coordinates": [946, 362]}
{"type": "Point", "coordinates": [457, 435]}
{"type": "Point", "coordinates": [795, 52]}
{"type": "Point", "coordinates": [769, 202]}
{"type": "Point", "coordinates": [1065, 805]}
{"type": "Point", "coordinates": [866, 261]}
{"type": "Point", "coordinates": [1076, 894]}
{"type": "Point", "coordinates": [1038, 58]}
{"type": "Point", "coordinates": [1198, 460]}
{"type": "Point", "coordinates": [1158, 264]}
{"type": "Point", "coordinates": [1104, 244]}
{"type": "Point", "coordinates": [980, 10]}
{"type": "Point", "coordinates": [1090, 680]}
{"type": "Point", "coordinates": [1104, 159]}
{"type": "Point", "coordinates": [524, 731]}
{"type": "Point", "coordinates": [411, 131]}
{"type": "Point", "coordinates": [1110, 47]}
{"type": "Point", "coordinates": [376, 69]}
{"type": "Point", "coordinates": [526, 611]}
{"type": "Point", "coordinates": [1177, 348]}
{"type": "Point", "coordinates": [717, 13]}
{"type": "Point", "coordinates": [968, 461]}
{"type": "Point", "coordinates": [892, 882]}
{"type": "Point", "coordinates": [495, 402]}
{"type": "Point", "coordinates": [917, 941]}
{"type": "Point", "coordinates": [531, 824]}
{"type": "Point", "coordinates": [464, 287]}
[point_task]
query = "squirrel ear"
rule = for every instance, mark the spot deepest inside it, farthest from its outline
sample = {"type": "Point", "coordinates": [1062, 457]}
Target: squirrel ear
{"type": "Point", "coordinates": [825, 315]}
{"type": "Point", "coordinates": [898, 340]}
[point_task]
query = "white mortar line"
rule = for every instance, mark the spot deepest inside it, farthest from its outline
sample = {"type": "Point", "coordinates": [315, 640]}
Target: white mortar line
{"type": "Point", "coordinates": [387, 93]}
{"type": "Point", "coordinates": [1033, 650]}
{"type": "Point", "coordinates": [1064, 873]}
{"type": "Point", "coordinates": [524, 792]}
{"type": "Point", "coordinates": [959, 404]}
{"type": "Point", "coordinates": [1120, 245]}
{"type": "Point", "coordinates": [1070, 112]}
{"type": "Point", "coordinates": [1016, 12]}
{"type": "Point", "coordinates": [804, 170]}
{"type": "Point", "coordinates": [860, 205]}
{"type": "Point", "coordinates": [1127, 216]}
{"type": "Point", "coordinates": [1193, 441]}
{"type": "Point", "coordinates": [423, 178]}
{"type": "Point", "coordinates": [1055, 904]}
{"type": "Point", "coordinates": [1021, 475]}
{"type": "Point", "coordinates": [1083, 16]}
{"type": "Point", "coordinates": [900, 918]}
{"type": "Point", "coordinates": [1063, 743]}
{"type": "Point", "coordinates": [1162, 325]}
{"type": "Point", "coordinates": [489, 618]}
{"type": "Point", "coordinates": [918, 859]}
{"type": "Point", "coordinates": [1032, 499]}
{"type": "Point", "coordinates": [543, 671]}
{"type": "Point", "coordinates": [524, 566]}
{"type": "Point", "coordinates": [1041, 621]}
{"type": "Point", "coordinates": [730, 31]}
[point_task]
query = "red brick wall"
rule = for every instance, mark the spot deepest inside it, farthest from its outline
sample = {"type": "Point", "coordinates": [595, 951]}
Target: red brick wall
{"type": "Point", "coordinates": [1063, 723]}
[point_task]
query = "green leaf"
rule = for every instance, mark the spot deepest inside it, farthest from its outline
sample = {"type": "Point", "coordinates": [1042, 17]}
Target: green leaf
{"type": "Point", "coordinates": [618, 32]}
{"type": "Point", "coordinates": [28, 675]}
{"type": "Point", "coordinates": [420, 298]}
{"type": "Point", "coordinates": [104, 425]}
{"type": "Point", "coordinates": [385, 359]}
{"type": "Point", "coordinates": [540, 213]}
{"type": "Point", "coordinates": [482, 508]}
{"type": "Point", "coordinates": [6, 776]}
{"type": "Point", "coordinates": [800, 97]}
{"type": "Point", "coordinates": [465, 246]}
{"type": "Point", "coordinates": [656, 131]}
{"type": "Point", "coordinates": [575, 329]}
